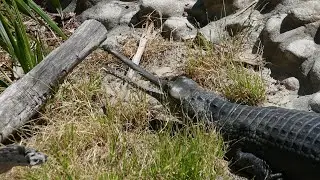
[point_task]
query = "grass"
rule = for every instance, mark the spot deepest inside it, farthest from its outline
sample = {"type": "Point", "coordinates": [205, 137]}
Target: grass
{"type": "Point", "coordinates": [216, 68]}
{"type": "Point", "coordinates": [89, 133]}
{"type": "Point", "coordinates": [88, 137]}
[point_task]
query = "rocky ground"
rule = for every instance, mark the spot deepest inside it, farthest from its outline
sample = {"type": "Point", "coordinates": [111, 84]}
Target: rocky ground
{"type": "Point", "coordinates": [281, 34]}
{"type": "Point", "coordinates": [286, 30]}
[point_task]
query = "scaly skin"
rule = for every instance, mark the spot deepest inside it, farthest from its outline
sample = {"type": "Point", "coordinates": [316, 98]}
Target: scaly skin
{"type": "Point", "coordinates": [286, 140]}
{"type": "Point", "coordinates": [263, 140]}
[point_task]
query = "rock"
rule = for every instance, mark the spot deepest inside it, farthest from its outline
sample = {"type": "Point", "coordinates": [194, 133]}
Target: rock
{"type": "Point", "coordinates": [165, 8]}
{"type": "Point", "coordinates": [288, 47]}
{"type": "Point", "coordinates": [296, 52]}
{"type": "Point", "coordinates": [314, 102]}
{"type": "Point", "coordinates": [162, 71]}
{"type": "Point", "coordinates": [111, 14]}
{"type": "Point", "coordinates": [198, 14]}
{"type": "Point", "coordinates": [231, 25]}
{"type": "Point", "coordinates": [83, 5]}
{"type": "Point", "coordinates": [115, 36]}
{"type": "Point", "coordinates": [314, 74]}
{"type": "Point", "coordinates": [221, 8]}
{"type": "Point", "coordinates": [291, 83]}
{"type": "Point", "coordinates": [305, 13]}
{"type": "Point", "coordinates": [179, 28]}
{"type": "Point", "coordinates": [214, 31]}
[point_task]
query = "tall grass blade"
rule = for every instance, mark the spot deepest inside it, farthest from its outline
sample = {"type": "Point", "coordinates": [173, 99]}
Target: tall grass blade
{"type": "Point", "coordinates": [47, 19]}
{"type": "Point", "coordinates": [5, 42]}
{"type": "Point", "coordinates": [3, 84]}
{"type": "Point", "coordinates": [8, 37]}
{"type": "Point", "coordinates": [56, 4]}
{"type": "Point", "coordinates": [24, 50]}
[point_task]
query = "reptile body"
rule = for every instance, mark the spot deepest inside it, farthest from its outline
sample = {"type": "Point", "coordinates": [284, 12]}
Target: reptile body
{"type": "Point", "coordinates": [264, 142]}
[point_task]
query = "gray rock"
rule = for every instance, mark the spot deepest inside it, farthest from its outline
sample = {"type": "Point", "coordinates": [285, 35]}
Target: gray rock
{"type": "Point", "coordinates": [111, 14]}
{"type": "Point", "coordinates": [231, 25]}
{"type": "Point", "coordinates": [214, 31]}
{"type": "Point", "coordinates": [83, 5]}
{"type": "Point", "coordinates": [115, 36]}
{"type": "Point", "coordinates": [179, 28]}
{"type": "Point", "coordinates": [288, 47]}
{"type": "Point", "coordinates": [165, 8]}
{"type": "Point", "coordinates": [219, 9]}
{"type": "Point", "coordinates": [291, 83]}
{"type": "Point", "coordinates": [314, 102]}
{"type": "Point", "coordinates": [298, 51]}
{"type": "Point", "coordinates": [314, 74]}
{"type": "Point", "coordinates": [306, 12]}
{"type": "Point", "coordinates": [299, 102]}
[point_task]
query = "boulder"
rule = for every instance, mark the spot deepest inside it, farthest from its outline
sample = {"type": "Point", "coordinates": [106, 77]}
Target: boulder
{"type": "Point", "coordinates": [179, 28]}
{"type": "Point", "coordinates": [229, 26]}
{"type": "Point", "coordinates": [291, 83]}
{"type": "Point", "coordinates": [314, 102]}
{"type": "Point", "coordinates": [111, 14]}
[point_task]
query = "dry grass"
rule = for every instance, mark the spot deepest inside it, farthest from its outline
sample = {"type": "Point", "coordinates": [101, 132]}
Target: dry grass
{"type": "Point", "coordinates": [216, 68]}
{"type": "Point", "coordinates": [87, 137]}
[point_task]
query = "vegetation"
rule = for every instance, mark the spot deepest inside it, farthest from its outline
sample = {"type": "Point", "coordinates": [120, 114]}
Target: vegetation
{"type": "Point", "coordinates": [26, 50]}
{"type": "Point", "coordinates": [216, 67]}
{"type": "Point", "coordinates": [89, 133]}
{"type": "Point", "coordinates": [85, 141]}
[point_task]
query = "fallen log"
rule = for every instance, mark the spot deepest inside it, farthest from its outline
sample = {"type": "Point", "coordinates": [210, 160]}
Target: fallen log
{"type": "Point", "coordinates": [23, 99]}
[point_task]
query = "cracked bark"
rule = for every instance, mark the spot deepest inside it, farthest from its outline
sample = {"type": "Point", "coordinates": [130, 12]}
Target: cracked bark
{"type": "Point", "coordinates": [23, 99]}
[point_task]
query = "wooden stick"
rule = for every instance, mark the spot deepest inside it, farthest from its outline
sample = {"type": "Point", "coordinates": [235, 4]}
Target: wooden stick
{"type": "Point", "coordinates": [23, 99]}
{"type": "Point", "coordinates": [137, 57]}
{"type": "Point", "coordinates": [142, 46]}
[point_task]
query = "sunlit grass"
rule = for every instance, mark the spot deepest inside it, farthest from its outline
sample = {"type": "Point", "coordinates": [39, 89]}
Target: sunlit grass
{"type": "Point", "coordinates": [216, 67]}
{"type": "Point", "coordinates": [88, 137]}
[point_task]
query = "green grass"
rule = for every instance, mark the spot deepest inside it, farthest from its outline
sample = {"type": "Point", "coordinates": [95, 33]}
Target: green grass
{"type": "Point", "coordinates": [91, 134]}
{"type": "Point", "coordinates": [83, 142]}
{"type": "Point", "coordinates": [216, 68]}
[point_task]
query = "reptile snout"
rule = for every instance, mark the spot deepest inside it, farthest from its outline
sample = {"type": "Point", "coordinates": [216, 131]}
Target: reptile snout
{"type": "Point", "coordinates": [36, 158]}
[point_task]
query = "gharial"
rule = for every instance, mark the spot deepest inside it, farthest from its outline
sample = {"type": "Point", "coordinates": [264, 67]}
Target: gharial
{"type": "Point", "coordinates": [269, 142]}
{"type": "Point", "coordinates": [17, 155]}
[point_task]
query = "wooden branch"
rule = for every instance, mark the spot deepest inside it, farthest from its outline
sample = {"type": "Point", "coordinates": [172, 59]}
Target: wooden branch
{"type": "Point", "coordinates": [142, 46]}
{"type": "Point", "coordinates": [23, 99]}
{"type": "Point", "coordinates": [137, 57]}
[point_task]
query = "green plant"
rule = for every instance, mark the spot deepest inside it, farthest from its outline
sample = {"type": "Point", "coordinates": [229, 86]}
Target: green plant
{"type": "Point", "coordinates": [244, 86]}
{"type": "Point", "coordinates": [216, 67]}
{"type": "Point", "coordinates": [85, 142]}
{"type": "Point", "coordinates": [25, 50]}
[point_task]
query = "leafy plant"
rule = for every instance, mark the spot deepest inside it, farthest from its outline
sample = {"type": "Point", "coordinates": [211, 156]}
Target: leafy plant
{"type": "Point", "coordinates": [25, 50]}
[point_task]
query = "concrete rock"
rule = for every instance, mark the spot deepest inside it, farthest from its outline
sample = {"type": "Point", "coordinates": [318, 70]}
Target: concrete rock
{"type": "Point", "coordinates": [83, 5]}
{"type": "Point", "coordinates": [222, 8]}
{"type": "Point", "coordinates": [306, 12]}
{"type": "Point", "coordinates": [116, 35]}
{"type": "Point", "coordinates": [291, 83]}
{"type": "Point", "coordinates": [288, 47]}
{"type": "Point", "coordinates": [179, 28]}
{"type": "Point", "coordinates": [166, 8]}
{"type": "Point", "coordinates": [231, 25]}
{"type": "Point", "coordinates": [299, 50]}
{"type": "Point", "coordinates": [314, 102]}
{"type": "Point", "coordinates": [314, 74]}
{"type": "Point", "coordinates": [111, 14]}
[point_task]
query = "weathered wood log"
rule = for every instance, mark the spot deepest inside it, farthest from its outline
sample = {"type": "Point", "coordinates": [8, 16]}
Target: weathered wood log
{"type": "Point", "coordinates": [16, 155]}
{"type": "Point", "coordinates": [23, 99]}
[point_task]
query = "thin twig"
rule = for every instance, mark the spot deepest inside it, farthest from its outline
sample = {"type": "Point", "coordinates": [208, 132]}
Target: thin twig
{"type": "Point", "coordinates": [137, 57]}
